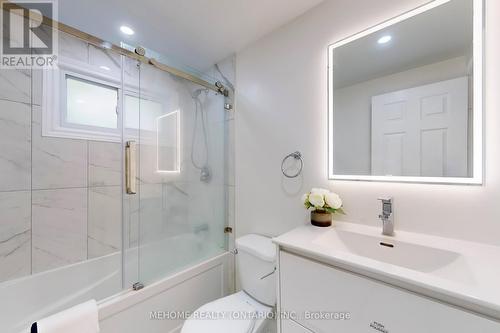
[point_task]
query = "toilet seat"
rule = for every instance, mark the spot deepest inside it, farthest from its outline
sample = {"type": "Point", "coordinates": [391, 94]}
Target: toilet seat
{"type": "Point", "coordinates": [236, 313]}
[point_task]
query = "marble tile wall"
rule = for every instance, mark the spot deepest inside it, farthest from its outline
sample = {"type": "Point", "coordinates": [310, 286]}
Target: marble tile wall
{"type": "Point", "coordinates": [15, 234]}
{"type": "Point", "coordinates": [60, 199]}
{"type": "Point", "coordinates": [57, 163]}
{"type": "Point", "coordinates": [60, 206]}
{"type": "Point", "coordinates": [83, 198]}
{"type": "Point", "coordinates": [104, 164]}
{"type": "Point", "coordinates": [15, 146]}
{"type": "Point", "coordinates": [15, 174]}
{"type": "Point", "coordinates": [59, 223]}
{"type": "Point", "coordinates": [104, 220]}
{"type": "Point", "coordinates": [15, 85]}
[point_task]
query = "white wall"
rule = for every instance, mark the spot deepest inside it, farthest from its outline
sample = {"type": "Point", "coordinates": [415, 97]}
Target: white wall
{"type": "Point", "coordinates": [282, 107]}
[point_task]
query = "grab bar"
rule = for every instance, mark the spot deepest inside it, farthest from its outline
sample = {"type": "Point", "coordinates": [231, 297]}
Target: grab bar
{"type": "Point", "coordinates": [130, 167]}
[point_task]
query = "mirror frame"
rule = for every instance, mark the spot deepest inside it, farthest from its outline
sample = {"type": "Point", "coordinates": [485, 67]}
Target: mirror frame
{"type": "Point", "coordinates": [478, 103]}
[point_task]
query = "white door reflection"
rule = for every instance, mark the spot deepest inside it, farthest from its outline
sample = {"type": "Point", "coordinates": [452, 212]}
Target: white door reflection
{"type": "Point", "coordinates": [168, 142]}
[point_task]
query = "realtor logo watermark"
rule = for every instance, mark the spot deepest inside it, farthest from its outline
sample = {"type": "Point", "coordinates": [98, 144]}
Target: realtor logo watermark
{"type": "Point", "coordinates": [29, 34]}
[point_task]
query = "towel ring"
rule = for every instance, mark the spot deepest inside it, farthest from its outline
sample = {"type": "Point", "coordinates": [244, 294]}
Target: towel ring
{"type": "Point", "coordinates": [297, 156]}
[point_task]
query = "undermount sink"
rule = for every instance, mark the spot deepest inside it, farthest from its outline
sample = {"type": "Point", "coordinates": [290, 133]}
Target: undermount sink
{"type": "Point", "coordinates": [413, 256]}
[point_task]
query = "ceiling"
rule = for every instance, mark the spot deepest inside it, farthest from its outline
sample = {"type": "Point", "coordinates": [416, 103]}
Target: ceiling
{"type": "Point", "coordinates": [197, 33]}
{"type": "Point", "coordinates": [436, 35]}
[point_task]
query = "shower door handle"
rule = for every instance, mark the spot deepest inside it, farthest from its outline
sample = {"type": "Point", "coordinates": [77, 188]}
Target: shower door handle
{"type": "Point", "coordinates": [130, 167]}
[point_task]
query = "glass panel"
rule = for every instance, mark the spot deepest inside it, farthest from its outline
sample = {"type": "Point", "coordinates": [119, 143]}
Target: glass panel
{"type": "Point", "coordinates": [60, 198]}
{"type": "Point", "coordinates": [131, 121]}
{"type": "Point", "coordinates": [182, 190]}
{"type": "Point", "coordinates": [65, 214]}
{"type": "Point", "coordinates": [152, 110]}
{"type": "Point", "coordinates": [91, 104]}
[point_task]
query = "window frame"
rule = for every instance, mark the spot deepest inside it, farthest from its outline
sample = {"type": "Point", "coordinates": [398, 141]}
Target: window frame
{"type": "Point", "coordinates": [54, 106]}
{"type": "Point", "coordinates": [54, 102]}
{"type": "Point", "coordinates": [92, 81]}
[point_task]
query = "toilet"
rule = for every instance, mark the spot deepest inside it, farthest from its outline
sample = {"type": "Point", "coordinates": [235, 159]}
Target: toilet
{"type": "Point", "coordinates": [250, 310]}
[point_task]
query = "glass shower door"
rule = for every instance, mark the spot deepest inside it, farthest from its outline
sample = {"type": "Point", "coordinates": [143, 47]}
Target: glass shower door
{"type": "Point", "coordinates": [180, 168]}
{"type": "Point", "coordinates": [131, 137]}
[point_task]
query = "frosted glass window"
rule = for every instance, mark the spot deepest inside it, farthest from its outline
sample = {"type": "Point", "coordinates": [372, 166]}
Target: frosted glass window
{"type": "Point", "coordinates": [149, 110]}
{"type": "Point", "coordinates": [91, 104]}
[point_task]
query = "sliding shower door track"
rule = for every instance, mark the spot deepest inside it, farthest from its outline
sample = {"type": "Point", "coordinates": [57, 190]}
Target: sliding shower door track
{"type": "Point", "coordinates": [100, 43]}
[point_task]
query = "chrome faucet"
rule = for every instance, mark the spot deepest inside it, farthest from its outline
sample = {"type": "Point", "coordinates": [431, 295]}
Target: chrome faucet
{"type": "Point", "coordinates": [387, 217]}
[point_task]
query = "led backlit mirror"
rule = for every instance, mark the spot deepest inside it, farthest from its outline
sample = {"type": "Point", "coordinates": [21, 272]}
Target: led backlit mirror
{"type": "Point", "coordinates": [406, 98]}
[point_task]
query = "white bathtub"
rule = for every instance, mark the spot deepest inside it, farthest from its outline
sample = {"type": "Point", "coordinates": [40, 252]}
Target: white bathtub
{"type": "Point", "coordinates": [184, 291]}
{"type": "Point", "coordinates": [27, 299]}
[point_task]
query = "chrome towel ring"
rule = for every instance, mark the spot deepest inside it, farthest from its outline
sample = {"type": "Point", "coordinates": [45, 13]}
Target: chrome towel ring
{"type": "Point", "coordinates": [297, 156]}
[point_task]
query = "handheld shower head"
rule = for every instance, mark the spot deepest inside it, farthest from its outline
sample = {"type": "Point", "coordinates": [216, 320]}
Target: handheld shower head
{"type": "Point", "coordinates": [200, 117]}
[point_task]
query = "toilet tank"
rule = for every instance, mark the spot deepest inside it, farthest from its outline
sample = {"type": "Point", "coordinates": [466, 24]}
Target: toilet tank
{"type": "Point", "coordinates": [256, 260]}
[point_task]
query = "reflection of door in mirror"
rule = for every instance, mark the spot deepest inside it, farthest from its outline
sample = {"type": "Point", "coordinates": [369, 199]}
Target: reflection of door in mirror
{"type": "Point", "coordinates": [421, 131]}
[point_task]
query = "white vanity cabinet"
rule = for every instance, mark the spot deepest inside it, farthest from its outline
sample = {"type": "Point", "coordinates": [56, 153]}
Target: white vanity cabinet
{"type": "Point", "coordinates": [317, 296]}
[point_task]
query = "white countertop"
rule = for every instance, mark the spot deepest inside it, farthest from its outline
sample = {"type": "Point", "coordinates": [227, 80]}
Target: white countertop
{"type": "Point", "coordinates": [471, 280]}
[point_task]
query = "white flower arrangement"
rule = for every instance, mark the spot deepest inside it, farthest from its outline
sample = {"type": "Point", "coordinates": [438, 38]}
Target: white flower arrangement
{"type": "Point", "coordinates": [322, 200]}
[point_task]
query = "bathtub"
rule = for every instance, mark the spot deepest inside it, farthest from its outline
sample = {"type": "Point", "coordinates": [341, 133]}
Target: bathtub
{"type": "Point", "coordinates": [33, 297]}
{"type": "Point", "coordinates": [180, 293]}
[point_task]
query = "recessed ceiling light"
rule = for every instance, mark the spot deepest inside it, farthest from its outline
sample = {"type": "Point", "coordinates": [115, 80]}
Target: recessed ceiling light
{"type": "Point", "coordinates": [106, 68]}
{"type": "Point", "coordinates": [126, 30]}
{"type": "Point", "coordinates": [384, 39]}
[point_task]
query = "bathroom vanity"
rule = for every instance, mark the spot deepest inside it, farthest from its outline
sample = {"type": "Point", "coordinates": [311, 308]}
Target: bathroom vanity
{"type": "Point", "coordinates": [350, 278]}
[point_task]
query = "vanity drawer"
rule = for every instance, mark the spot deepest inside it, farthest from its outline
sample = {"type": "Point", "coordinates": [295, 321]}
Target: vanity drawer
{"type": "Point", "coordinates": [289, 326]}
{"type": "Point", "coordinates": [317, 294]}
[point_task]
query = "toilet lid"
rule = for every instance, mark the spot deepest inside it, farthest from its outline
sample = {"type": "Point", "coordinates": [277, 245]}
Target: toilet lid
{"type": "Point", "coordinates": [228, 314]}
